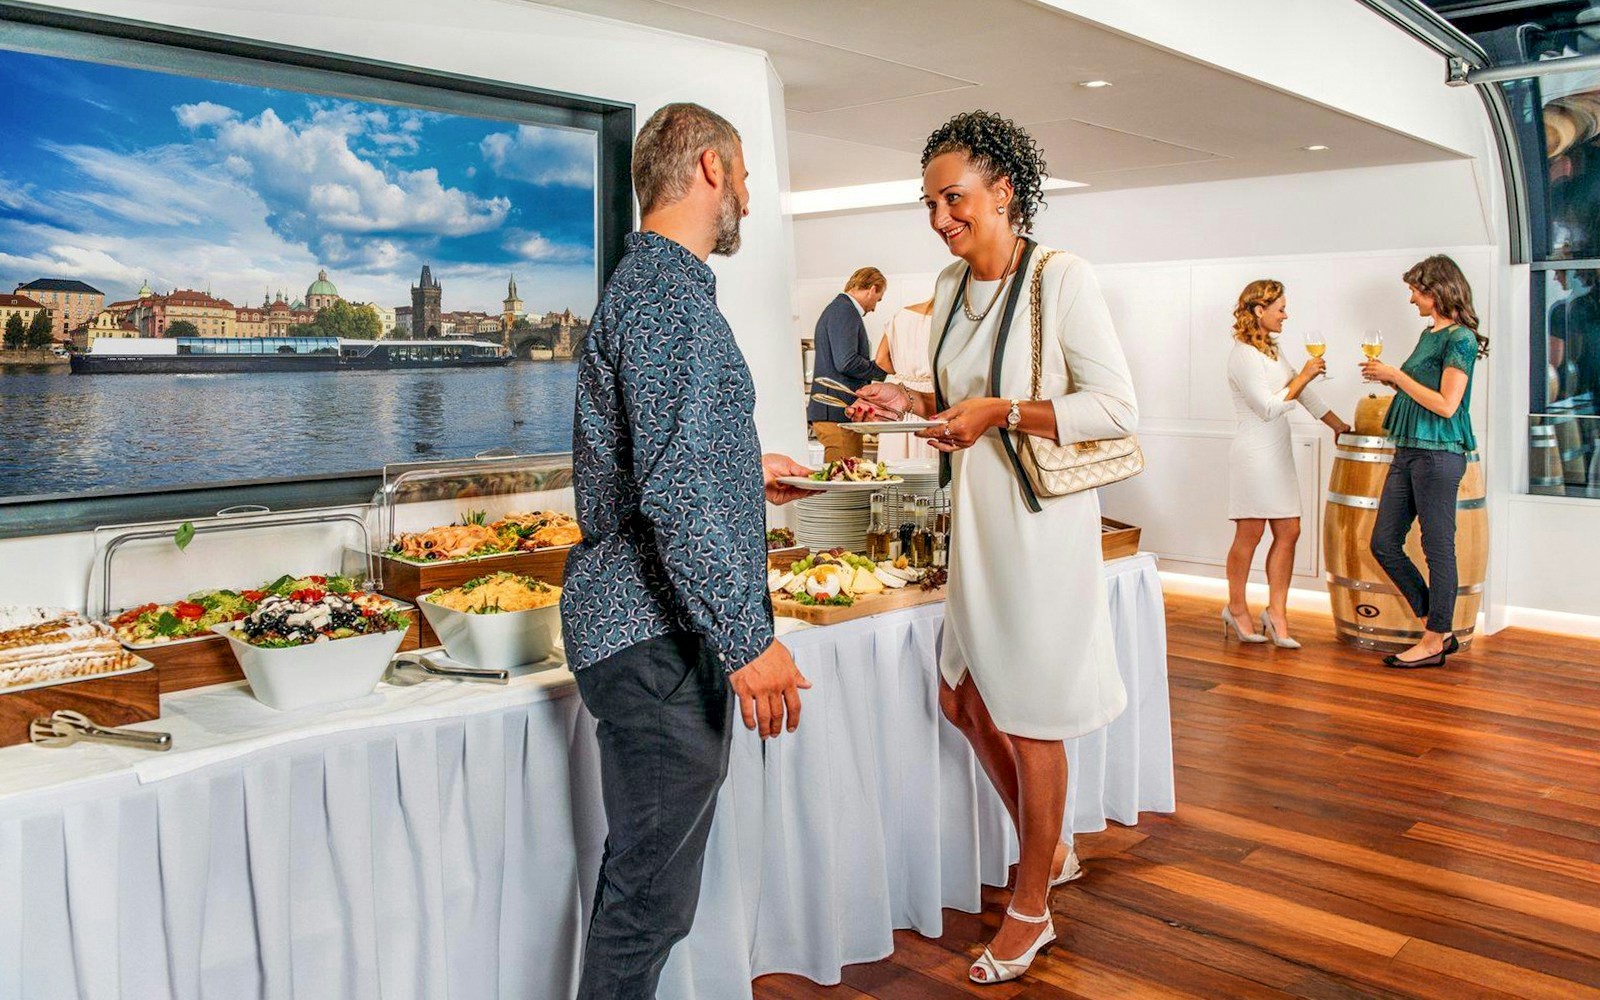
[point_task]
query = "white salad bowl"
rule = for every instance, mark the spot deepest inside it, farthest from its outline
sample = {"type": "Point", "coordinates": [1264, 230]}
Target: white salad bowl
{"type": "Point", "coordinates": [497, 641]}
{"type": "Point", "coordinates": [317, 673]}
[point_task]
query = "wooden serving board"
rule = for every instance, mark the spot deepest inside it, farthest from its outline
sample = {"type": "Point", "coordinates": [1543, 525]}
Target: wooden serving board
{"type": "Point", "coordinates": [184, 665]}
{"type": "Point", "coordinates": [406, 581]}
{"type": "Point", "coordinates": [910, 596]}
{"type": "Point", "coordinates": [107, 701]}
{"type": "Point", "coordinates": [784, 558]}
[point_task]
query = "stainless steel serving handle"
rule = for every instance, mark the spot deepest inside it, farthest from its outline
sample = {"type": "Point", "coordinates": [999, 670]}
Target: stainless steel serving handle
{"type": "Point", "coordinates": [285, 519]}
{"type": "Point", "coordinates": [413, 668]}
{"type": "Point", "coordinates": [464, 673]}
{"type": "Point", "coordinates": [240, 509]}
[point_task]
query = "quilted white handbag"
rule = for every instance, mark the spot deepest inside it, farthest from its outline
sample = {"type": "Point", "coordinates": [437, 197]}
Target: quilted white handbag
{"type": "Point", "coordinates": [1056, 470]}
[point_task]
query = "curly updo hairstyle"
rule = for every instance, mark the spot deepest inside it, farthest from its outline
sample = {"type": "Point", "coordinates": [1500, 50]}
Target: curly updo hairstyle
{"type": "Point", "coordinates": [996, 147]}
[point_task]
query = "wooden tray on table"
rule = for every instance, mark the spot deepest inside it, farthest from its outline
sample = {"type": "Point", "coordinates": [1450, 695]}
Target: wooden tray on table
{"type": "Point", "coordinates": [406, 581]}
{"type": "Point", "coordinates": [1117, 539]}
{"type": "Point", "coordinates": [909, 596]}
{"type": "Point", "coordinates": [786, 557]}
{"type": "Point", "coordinates": [114, 700]}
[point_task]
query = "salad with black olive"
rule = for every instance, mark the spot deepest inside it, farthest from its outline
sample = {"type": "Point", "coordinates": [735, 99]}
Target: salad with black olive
{"type": "Point", "coordinates": [306, 617]}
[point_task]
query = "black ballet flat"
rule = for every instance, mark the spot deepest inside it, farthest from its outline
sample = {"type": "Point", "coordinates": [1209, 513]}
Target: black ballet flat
{"type": "Point", "coordinates": [1436, 660]}
{"type": "Point", "coordinates": [1452, 645]}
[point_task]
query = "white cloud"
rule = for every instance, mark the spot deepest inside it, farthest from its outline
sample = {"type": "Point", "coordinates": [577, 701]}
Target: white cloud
{"type": "Point", "coordinates": [542, 155]}
{"type": "Point", "coordinates": [313, 182]}
{"type": "Point", "coordinates": [62, 260]}
{"type": "Point", "coordinates": [533, 247]}
{"type": "Point", "coordinates": [19, 197]}
{"type": "Point", "coordinates": [201, 114]}
{"type": "Point", "coordinates": [159, 186]}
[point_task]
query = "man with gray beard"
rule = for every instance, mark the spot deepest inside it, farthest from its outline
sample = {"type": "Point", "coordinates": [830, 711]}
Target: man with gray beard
{"type": "Point", "coordinates": [665, 610]}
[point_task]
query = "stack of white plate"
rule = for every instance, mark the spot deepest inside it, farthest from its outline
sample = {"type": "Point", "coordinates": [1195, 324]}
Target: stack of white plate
{"type": "Point", "coordinates": [834, 520]}
{"type": "Point", "coordinates": [921, 477]}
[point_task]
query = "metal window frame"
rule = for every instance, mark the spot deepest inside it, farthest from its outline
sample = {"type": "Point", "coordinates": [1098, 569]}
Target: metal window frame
{"type": "Point", "coordinates": [120, 41]}
{"type": "Point", "coordinates": [1463, 55]}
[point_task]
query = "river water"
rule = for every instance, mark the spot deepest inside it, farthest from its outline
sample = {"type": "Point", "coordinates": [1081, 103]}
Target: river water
{"type": "Point", "coordinates": [66, 434]}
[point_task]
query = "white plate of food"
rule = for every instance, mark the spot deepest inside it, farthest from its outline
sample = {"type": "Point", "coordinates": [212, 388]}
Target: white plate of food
{"type": "Point", "coordinates": [845, 474]}
{"type": "Point", "coordinates": [840, 486]}
{"type": "Point", "coordinates": [893, 426]}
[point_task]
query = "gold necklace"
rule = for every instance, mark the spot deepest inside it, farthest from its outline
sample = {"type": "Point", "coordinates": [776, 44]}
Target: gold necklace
{"type": "Point", "coordinates": [966, 296]}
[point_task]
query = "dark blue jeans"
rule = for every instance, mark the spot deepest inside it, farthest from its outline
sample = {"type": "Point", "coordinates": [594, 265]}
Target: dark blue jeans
{"type": "Point", "coordinates": [665, 712]}
{"type": "Point", "coordinates": [1422, 486]}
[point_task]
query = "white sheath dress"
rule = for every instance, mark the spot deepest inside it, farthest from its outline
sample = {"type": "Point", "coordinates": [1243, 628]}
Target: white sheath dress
{"type": "Point", "coordinates": [1261, 477]}
{"type": "Point", "coordinates": [1027, 616]}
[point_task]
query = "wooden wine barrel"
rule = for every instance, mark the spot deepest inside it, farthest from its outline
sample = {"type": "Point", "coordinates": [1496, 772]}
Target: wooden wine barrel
{"type": "Point", "coordinates": [1368, 610]}
{"type": "Point", "coordinates": [1573, 448]}
{"type": "Point", "coordinates": [1546, 475]}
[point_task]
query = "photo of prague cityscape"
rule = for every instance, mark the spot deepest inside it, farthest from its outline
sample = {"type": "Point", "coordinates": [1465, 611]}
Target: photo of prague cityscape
{"type": "Point", "coordinates": [181, 251]}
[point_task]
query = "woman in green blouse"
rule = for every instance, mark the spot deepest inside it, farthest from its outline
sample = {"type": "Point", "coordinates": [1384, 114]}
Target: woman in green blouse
{"type": "Point", "coordinates": [1431, 425]}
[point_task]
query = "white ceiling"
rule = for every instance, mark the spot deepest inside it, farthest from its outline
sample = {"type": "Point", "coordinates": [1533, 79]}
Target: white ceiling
{"type": "Point", "coordinates": [865, 81]}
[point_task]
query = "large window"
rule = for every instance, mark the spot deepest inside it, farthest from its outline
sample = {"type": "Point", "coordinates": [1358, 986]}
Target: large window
{"type": "Point", "coordinates": [167, 186]}
{"type": "Point", "coordinates": [1556, 118]}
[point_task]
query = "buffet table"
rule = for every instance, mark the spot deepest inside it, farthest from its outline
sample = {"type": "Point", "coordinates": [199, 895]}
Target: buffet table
{"type": "Point", "coordinates": [441, 840]}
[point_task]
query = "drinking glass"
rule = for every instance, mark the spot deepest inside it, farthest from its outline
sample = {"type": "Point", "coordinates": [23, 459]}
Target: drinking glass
{"type": "Point", "coordinates": [1316, 346]}
{"type": "Point", "coordinates": [1372, 344]}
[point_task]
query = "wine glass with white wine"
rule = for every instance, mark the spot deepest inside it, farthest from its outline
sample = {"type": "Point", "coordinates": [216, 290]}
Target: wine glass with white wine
{"type": "Point", "coordinates": [1316, 346]}
{"type": "Point", "coordinates": [1372, 344]}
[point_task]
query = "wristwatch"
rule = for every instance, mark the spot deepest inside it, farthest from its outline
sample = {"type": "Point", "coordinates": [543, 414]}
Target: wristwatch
{"type": "Point", "coordinates": [1014, 418]}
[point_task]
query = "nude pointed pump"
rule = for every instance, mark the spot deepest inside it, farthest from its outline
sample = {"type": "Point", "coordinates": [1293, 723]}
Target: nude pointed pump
{"type": "Point", "coordinates": [1230, 623]}
{"type": "Point", "coordinates": [1281, 641]}
{"type": "Point", "coordinates": [989, 970]}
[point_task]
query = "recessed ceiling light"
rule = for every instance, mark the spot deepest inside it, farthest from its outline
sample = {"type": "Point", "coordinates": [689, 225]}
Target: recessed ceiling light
{"type": "Point", "coordinates": [1095, 84]}
{"type": "Point", "coordinates": [1314, 149]}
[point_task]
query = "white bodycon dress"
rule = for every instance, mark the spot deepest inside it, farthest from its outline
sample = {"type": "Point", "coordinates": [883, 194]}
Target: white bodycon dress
{"type": "Point", "coordinates": [1261, 476]}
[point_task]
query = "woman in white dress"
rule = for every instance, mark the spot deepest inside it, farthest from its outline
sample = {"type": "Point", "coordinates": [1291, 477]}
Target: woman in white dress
{"type": "Point", "coordinates": [1027, 657]}
{"type": "Point", "coordinates": [1262, 486]}
{"type": "Point", "coordinates": [904, 353]}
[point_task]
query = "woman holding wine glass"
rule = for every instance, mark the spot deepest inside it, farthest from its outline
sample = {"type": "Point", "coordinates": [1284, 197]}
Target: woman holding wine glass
{"type": "Point", "coordinates": [1430, 423]}
{"type": "Point", "coordinates": [1027, 658]}
{"type": "Point", "coordinates": [1263, 487]}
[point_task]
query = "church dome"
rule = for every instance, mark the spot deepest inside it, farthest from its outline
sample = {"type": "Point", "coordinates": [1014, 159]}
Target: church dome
{"type": "Point", "coordinates": [321, 287]}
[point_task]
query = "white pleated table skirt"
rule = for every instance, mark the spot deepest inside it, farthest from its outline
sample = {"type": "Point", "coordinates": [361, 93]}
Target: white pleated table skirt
{"type": "Point", "coordinates": [454, 857]}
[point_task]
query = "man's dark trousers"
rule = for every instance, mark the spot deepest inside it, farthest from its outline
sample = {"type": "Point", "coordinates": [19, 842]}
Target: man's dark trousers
{"type": "Point", "coordinates": [665, 719]}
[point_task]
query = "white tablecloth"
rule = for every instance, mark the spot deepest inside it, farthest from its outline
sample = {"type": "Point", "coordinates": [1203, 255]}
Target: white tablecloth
{"type": "Point", "coordinates": [441, 841]}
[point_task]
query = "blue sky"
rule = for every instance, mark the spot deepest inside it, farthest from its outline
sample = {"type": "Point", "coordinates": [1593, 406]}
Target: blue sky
{"type": "Point", "coordinates": [115, 175]}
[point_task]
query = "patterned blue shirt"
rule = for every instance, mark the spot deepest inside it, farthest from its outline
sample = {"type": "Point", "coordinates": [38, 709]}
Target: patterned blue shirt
{"type": "Point", "coordinates": [666, 467]}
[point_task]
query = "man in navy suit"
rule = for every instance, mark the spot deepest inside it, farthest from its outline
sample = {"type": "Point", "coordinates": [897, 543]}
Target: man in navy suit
{"type": "Point", "coordinates": [843, 354]}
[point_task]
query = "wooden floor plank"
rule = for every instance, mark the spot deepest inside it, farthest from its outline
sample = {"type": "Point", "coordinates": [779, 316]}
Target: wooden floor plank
{"type": "Point", "coordinates": [1344, 832]}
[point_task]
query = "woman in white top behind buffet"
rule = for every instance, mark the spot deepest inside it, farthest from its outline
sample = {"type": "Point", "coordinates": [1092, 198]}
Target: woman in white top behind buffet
{"type": "Point", "coordinates": [904, 353]}
{"type": "Point", "coordinates": [1262, 486]}
{"type": "Point", "coordinates": [1027, 656]}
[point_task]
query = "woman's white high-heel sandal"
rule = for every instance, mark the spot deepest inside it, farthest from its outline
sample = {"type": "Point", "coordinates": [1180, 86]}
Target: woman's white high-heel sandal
{"type": "Point", "coordinates": [989, 970]}
{"type": "Point", "coordinates": [1230, 622]}
{"type": "Point", "coordinates": [1071, 870]}
{"type": "Point", "coordinates": [1281, 641]}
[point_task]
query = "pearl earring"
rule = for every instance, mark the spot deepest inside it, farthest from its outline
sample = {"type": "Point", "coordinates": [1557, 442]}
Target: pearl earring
{"type": "Point", "coordinates": [1000, 210]}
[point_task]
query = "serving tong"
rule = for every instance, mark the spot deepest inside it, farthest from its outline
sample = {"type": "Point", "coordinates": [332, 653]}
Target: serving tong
{"type": "Point", "coordinates": [414, 668]}
{"type": "Point", "coordinates": [66, 727]}
{"type": "Point", "coordinates": [830, 398]}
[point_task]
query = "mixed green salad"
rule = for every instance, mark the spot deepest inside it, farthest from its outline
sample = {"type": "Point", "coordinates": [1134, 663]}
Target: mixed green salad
{"type": "Point", "coordinates": [195, 614]}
